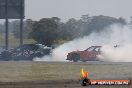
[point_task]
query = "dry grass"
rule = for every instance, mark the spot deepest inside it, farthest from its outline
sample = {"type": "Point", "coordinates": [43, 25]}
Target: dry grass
{"type": "Point", "coordinates": [59, 75]}
{"type": "Point", "coordinates": [30, 71]}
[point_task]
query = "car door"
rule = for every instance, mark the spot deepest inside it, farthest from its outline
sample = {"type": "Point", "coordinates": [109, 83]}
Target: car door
{"type": "Point", "coordinates": [92, 52]}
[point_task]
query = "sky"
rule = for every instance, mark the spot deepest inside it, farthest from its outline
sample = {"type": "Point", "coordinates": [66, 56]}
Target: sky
{"type": "Point", "coordinates": [65, 9]}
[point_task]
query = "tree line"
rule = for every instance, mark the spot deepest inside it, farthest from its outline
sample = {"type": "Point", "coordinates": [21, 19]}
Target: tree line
{"type": "Point", "coordinates": [49, 31]}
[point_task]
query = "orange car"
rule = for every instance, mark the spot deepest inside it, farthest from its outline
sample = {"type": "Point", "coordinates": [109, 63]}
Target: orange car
{"type": "Point", "coordinates": [89, 54]}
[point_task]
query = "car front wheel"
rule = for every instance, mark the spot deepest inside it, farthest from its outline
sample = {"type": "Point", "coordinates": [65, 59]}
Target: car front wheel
{"type": "Point", "coordinates": [76, 57]}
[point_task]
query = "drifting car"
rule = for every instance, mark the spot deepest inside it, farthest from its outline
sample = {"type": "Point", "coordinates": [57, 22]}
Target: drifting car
{"type": "Point", "coordinates": [90, 54]}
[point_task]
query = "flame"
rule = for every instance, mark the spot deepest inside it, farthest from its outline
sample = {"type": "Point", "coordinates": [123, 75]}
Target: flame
{"type": "Point", "coordinates": [84, 74]}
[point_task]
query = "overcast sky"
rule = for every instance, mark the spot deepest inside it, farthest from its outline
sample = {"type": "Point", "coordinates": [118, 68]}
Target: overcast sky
{"type": "Point", "coordinates": [65, 9]}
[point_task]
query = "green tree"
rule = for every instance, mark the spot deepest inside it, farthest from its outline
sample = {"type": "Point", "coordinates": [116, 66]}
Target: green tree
{"type": "Point", "coordinates": [45, 31]}
{"type": "Point", "coordinates": [68, 29]}
{"type": "Point", "coordinates": [28, 25]}
{"type": "Point", "coordinates": [99, 23]}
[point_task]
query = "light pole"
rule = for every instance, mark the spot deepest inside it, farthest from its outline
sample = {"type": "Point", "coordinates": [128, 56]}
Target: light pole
{"type": "Point", "coordinates": [6, 25]}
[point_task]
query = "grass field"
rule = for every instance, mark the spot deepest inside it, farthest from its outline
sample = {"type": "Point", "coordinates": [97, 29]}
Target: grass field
{"type": "Point", "coordinates": [26, 71]}
{"type": "Point", "coordinates": [61, 74]}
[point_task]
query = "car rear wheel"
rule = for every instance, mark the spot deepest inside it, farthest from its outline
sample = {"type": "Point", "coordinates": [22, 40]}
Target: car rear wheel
{"type": "Point", "coordinates": [76, 57]}
{"type": "Point", "coordinates": [83, 60]}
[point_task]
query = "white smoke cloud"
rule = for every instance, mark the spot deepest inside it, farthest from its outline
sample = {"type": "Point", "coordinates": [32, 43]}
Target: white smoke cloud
{"type": "Point", "coordinates": [119, 54]}
{"type": "Point", "coordinates": [121, 35]}
{"type": "Point", "coordinates": [114, 35]}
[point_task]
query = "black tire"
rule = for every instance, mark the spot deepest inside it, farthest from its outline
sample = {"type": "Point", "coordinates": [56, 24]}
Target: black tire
{"type": "Point", "coordinates": [75, 57]}
{"type": "Point", "coordinates": [83, 60]}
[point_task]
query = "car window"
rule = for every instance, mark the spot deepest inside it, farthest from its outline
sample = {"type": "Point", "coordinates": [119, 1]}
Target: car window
{"type": "Point", "coordinates": [97, 49]}
{"type": "Point", "coordinates": [91, 49]}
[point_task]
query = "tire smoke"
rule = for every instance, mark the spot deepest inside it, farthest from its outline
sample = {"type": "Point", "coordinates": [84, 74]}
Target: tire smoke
{"type": "Point", "coordinates": [115, 34]}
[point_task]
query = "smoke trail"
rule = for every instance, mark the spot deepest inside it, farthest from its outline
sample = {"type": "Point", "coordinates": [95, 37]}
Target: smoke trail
{"type": "Point", "coordinates": [122, 36]}
{"type": "Point", "coordinates": [119, 54]}
{"type": "Point", "coordinates": [114, 35]}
